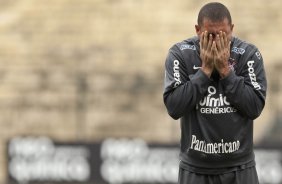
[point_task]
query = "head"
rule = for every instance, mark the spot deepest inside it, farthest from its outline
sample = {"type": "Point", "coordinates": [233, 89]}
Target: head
{"type": "Point", "coordinates": [213, 18]}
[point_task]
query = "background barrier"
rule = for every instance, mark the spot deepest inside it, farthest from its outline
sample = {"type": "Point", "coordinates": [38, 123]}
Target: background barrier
{"type": "Point", "coordinates": [123, 161]}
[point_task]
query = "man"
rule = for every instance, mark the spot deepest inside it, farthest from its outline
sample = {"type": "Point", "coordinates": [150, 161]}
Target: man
{"type": "Point", "coordinates": [215, 83]}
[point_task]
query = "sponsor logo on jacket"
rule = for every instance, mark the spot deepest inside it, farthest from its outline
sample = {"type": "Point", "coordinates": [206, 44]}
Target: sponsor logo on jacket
{"type": "Point", "coordinates": [232, 64]}
{"type": "Point", "coordinates": [214, 103]}
{"type": "Point", "coordinates": [258, 55]}
{"type": "Point", "coordinates": [214, 148]}
{"type": "Point", "coordinates": [252, 75]}
{"type": "Point", "coordinates": [187, 46]}
{"type": "Point", "coordinates": [238, 50]}
{"type": "Point", "coordinates": [176, 74]}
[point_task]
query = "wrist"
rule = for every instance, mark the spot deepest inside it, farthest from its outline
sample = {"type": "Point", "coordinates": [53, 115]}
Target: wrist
{"type": "Point", "coordinates": [207, 71]}
{"type": "Point", "coordinates": [224, 72]}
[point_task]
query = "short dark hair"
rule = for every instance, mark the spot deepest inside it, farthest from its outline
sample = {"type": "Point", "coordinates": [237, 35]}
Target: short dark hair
{"type": "Point", "coordinates": [215, 12]}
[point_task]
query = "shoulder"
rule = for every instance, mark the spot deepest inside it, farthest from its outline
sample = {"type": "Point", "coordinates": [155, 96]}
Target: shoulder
{"type": "Point", "coordinates": [242, 47]}
{"type": "Point", "coordinates": [190, 45]}
{"type": "Point", "coordinates": [244, 55]}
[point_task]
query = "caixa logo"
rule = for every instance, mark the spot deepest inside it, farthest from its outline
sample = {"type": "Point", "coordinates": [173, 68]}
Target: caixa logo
{"type": "Point", "coordinates": [176, 74]}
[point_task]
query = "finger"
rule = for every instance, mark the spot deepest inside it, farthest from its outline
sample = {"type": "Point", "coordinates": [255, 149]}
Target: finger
{"type": "Point", "coordinates": [214, 48]}
{"type": "Point", "coordinates": [226, 43]}
{"type": "Point", "coordinates": [222, 36]}
{"type": "Point", "coordinates": [205, 40]}
{"type": "Point", "coordinates": [201, 40]}
{"type": "Point", "coordinates": [218, 42]}
{"type": "Point", "coordinates": [210, 42]}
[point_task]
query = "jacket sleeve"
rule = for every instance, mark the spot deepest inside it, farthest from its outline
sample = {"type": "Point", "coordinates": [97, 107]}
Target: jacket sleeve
{"type": "Point", "coordinates": [247, 91]}
{"type": "Point", "coordinates": [182, 91]}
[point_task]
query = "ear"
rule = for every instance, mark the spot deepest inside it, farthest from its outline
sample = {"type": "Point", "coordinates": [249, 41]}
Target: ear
{"type": "Point", "coordinates": [198, 29]}
{"type": "Point", "coordinates": [232, 26]}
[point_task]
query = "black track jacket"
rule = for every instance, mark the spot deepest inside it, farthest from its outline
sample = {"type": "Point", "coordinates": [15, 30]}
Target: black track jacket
{"type": "Point", "coordinates": [216, 114]}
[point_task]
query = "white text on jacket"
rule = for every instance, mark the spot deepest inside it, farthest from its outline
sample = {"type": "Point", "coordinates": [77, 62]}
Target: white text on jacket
{"type": "Point", "coordinates": [214, 148]}
{"type": "Point", "coordinates": [252, 75]}
{"type": "Point", "coordinates": [176, 73]}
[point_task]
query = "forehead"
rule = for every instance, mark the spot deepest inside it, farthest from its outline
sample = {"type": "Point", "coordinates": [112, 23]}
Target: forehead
{"type": "Point", "coordinates": [217, 26]}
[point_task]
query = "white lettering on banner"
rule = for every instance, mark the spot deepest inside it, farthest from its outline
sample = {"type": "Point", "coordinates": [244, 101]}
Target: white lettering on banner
{"type": "Point", "coordinates": [132, 161]}
{"type": "Point", "coordinates": [176, 73]}
{"type": "Point", "coordinates": [50, 169]}
{"type": "Point", "coordinates": [252, 75]}
{"type": "Point", "coordinates": [38, 159]}
{"type": "Point", "coordinates": [214, 148]}
{"type": "Point", "coordinates": [215, 105]}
